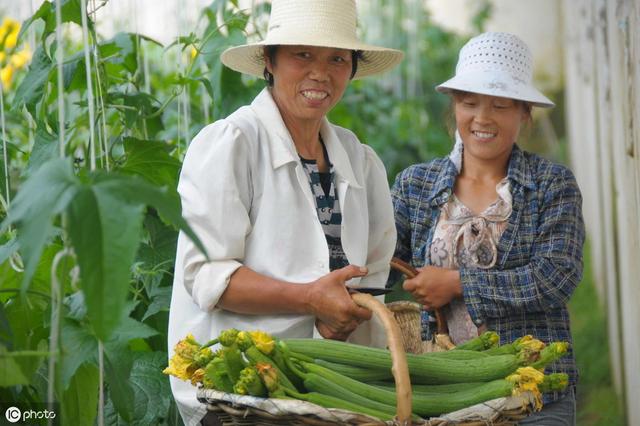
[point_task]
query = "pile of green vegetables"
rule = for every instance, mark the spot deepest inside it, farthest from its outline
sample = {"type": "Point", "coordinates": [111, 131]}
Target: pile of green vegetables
{"type": "Point", "coordinates": [335, 374]}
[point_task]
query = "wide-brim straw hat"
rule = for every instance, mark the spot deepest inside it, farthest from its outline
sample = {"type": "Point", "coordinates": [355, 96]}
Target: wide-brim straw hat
{"type": "Point", "coordinates": [496, 64]}
{"type": "Point", "coordinates": [322, 23]}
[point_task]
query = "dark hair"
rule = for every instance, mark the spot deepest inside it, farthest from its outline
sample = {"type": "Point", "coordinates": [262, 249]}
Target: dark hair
{"type": "Point", "coordinates": [271, 50]}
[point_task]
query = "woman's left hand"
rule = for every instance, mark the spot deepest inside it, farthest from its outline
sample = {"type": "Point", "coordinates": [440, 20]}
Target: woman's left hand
{"type": "Point", "coordinates": [434, 287]}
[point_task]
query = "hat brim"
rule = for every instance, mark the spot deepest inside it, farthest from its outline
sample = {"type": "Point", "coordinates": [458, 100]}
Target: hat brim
{"type": "Point", "coordinates": [249, 59]}
{"type": "Point", "coordinates": [496, 84]}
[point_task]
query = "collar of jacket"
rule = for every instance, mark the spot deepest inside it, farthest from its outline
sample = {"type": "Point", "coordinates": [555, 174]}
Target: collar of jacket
{"type": "Point", "coordinates": [518, 172]}
{"type": "Point", "coordinates": [281, 144]}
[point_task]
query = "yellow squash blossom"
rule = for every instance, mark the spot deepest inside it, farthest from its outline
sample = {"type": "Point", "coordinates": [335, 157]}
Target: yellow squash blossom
{"type": "Point", "coordinates": [263, 341]}
{"type": "Point", "coordinates": [528, 379]}
{"type": "Point", "coordinates": [180, 367]}
{"type": "Point", "coordinates": [183, 363]}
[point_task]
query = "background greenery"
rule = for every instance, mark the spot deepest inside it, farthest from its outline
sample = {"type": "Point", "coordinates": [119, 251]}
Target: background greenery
{"type": "Point", "coordinates": [90, 221]}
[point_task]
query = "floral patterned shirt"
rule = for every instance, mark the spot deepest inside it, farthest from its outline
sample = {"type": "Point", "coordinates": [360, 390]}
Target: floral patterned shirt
{"type": "Point", "coordinates": [462, 238]}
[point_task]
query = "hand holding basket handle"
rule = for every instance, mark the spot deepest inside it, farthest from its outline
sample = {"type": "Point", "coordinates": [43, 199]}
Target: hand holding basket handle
{"type": "Point", "coordinates": [442, 330]}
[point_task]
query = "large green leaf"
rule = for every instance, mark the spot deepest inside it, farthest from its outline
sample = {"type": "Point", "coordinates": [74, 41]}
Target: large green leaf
{"type": "Point", "coordinates": [131, 329]}
{"type": "Point", "coordinates": [151, 160]}
{"type": "Point", "coordinates": [70, 12]}
{"type": "Point", "coordinates": [158, 253]}
{"type": "Point", "coordinates": [32, 88]}
{"type": "Point", "coordinates": [105, 232]}
{"type": "Point", "coordinates": [40, 199]}
{"type": "Point", "coordinates": [118, 364]}
{"type": "Point", "coordinates": [166, 202]}
{"type": "Point", "coordinates": [79, 346]}
{"type": "Point", "coordinates": [80, 400]}
{"type": "Point", "coordinates": [152, 399]}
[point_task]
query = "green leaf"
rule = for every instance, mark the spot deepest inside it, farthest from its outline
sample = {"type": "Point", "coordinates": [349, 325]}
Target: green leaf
{"type": "Point", "coordinates": [105, 232]}
{"type": "Point", "coordinates": [40, 199]}
{"type": "Point", "coordinates": [32, 87]}
{"type": "Point", "coordinates": [131, 329]}
{"type": "Point", "coordinates": [160, 301]}
{"type": "Point", "coordinates": [164, 201]}
{"type": "Point", "coordinates": [45, 148]}
{"type": "Point", "coordinates": [78, 346]}
{"type": "Point", "coordinates": [70, 12]}
{"type": "Point", "coordinates": [151, 160]}
{"type": "Point", "coordinates": [6, 334]}
{"type": "Point", "coordinates": [152, 391]}
{"type": "Point", "coordinates": [80, 400]}
{"type": "Point", "coordinates": [118, 364]}
{"type": "Point", "coordinates": [10, 372]}
{"type": "Point", "coordinates": [159, 252]}
{"type": "Point", "coordinates": [7, 249]}
{"type": "Point", "coordinates": [28, 316]}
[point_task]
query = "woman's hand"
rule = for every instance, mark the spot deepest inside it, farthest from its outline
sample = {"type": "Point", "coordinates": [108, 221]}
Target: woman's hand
{"type": "Point", "coordinates": [434, 287]}
{"type": "Point", "coordinates": [336, 313]}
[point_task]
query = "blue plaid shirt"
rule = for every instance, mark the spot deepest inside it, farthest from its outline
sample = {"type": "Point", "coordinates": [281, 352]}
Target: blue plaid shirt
{"type": "Point", "coordinates": [539, 259]}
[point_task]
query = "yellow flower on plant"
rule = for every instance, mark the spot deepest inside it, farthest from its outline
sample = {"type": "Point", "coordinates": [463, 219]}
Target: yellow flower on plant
{"type": "Point", "coordinates": [263, 341]}
{"type": "Point", "coordinates": [6, 74]}
{"type": "Point", "coordinates": [20, 59]}
{"type": "Point", "coordinates": [9, 33]}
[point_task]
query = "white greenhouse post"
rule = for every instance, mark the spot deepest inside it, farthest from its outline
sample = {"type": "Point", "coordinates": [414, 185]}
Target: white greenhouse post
{"type": "Point", "coordinates": [90, 103]}
{"type": "Point", "coordinates": [623, 39]}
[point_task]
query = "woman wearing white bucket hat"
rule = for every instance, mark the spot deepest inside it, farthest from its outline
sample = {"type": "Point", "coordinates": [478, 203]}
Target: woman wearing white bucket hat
{"type": "Point", "coordinates": [497, 231]}
{"type": "Point", "coordinates": [288, 206]}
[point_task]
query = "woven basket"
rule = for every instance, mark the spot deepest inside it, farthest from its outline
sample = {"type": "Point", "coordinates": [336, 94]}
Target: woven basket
{"type": "Point", "coordinates": [402, 326]}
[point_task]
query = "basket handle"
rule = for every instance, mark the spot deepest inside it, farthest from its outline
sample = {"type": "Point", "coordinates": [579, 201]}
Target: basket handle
{"type": "Point", "coordinates": [399, 366]}
{"type": "Point", "coordinates": [410, 272]}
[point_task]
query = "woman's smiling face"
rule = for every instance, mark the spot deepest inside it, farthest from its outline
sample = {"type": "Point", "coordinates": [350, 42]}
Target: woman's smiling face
{"type": "Point", "coordinates": [488, 125]}
{"type": "Point", "coordinates": [308, 80]}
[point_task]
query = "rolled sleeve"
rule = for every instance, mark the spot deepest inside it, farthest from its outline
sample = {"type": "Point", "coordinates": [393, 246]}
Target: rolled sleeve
{"type": "Point", "coordinates": [215, 189]}
{"type": "Point", "coordinates": [548, 280]}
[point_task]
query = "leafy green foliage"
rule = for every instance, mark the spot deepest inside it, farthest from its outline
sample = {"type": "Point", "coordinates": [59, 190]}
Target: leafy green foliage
{"type": "Point", "coordinates": [117, 219]}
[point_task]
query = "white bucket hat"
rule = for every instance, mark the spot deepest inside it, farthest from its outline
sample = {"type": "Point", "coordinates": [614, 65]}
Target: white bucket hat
{"type": "Point", "coordinates": [496, 64]}
{"type": "Point", "coordinates": [324, 23]}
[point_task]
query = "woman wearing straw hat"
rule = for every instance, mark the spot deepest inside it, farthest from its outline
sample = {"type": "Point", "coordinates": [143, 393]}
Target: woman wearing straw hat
{"type": "Point", "coordinates": [288, 206]}
{"type": "Point", "coordinates": [497, 231]}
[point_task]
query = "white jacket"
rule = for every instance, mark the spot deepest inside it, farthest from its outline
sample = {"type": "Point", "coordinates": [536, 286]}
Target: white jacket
{"type": "Point", "coordinates": [247, 197]}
